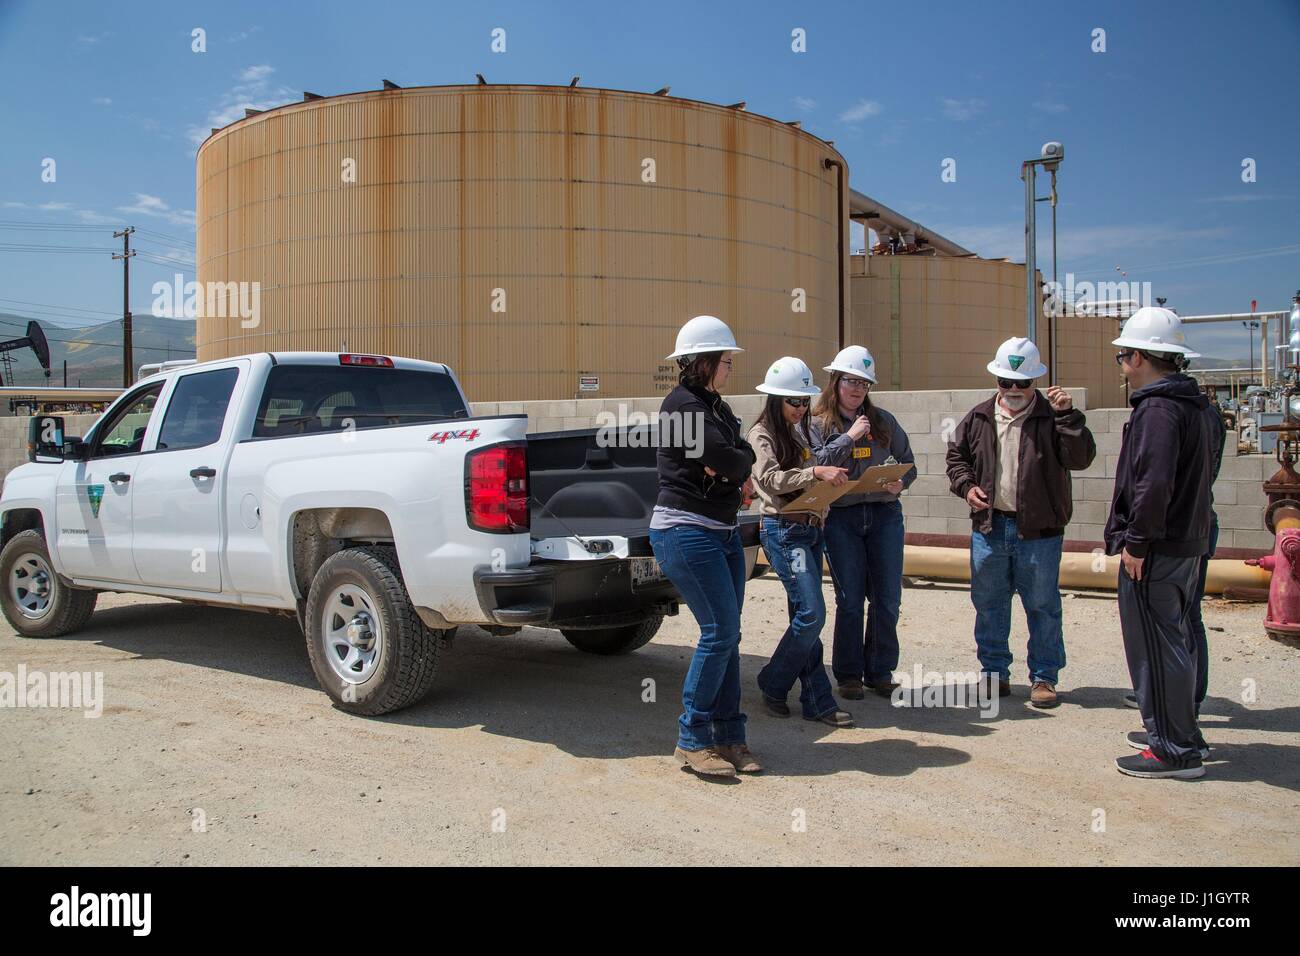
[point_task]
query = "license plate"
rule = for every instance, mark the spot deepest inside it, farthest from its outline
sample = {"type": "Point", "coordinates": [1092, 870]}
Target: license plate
{"type": "Point", "coordinates": [646, 571]}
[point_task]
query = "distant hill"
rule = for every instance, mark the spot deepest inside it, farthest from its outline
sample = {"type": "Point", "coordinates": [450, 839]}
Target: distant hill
{"type": "Point", "coordinates": [94, 352]}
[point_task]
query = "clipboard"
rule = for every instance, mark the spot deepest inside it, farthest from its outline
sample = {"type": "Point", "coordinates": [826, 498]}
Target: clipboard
{"type": "Point", "coordinates": [823, 494]}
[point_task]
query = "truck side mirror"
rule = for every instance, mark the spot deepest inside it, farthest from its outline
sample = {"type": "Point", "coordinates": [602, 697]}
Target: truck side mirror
{"type": "Point", "coordinates": [46, 442]}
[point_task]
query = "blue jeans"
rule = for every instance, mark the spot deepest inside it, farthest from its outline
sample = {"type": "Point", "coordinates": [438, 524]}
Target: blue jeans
{"type": "Point", "coordinates": [795, 553]}
{"type": "Point", "coordinates": [1002, 564]}
{"type": "Point", "coordinates": [864, 546]}
{"type": "Point", "coordinates": [708, 569]}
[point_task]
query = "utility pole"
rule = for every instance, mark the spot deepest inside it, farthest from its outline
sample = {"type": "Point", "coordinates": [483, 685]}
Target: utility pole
{"type": "Point", "coordinates": [127, 361]}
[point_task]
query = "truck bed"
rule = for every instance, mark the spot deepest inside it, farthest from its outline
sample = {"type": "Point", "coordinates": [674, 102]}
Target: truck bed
{"type": "Point", "coordinates": [579, 487]}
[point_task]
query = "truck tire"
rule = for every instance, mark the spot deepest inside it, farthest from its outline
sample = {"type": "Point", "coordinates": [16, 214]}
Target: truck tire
{"type": "Point", "coordinates": [371, 652]}
{"type": "Point", "coordinates": [35, 600]}
{"type": "Point", "coordinates": [614, 640]}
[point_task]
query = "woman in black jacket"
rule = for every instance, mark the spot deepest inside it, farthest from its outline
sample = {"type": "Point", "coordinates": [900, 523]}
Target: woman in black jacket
{"type": "Point", "coordinates": [704, 466]}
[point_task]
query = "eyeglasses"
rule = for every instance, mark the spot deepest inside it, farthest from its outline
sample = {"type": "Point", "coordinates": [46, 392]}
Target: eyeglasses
{"type": "Point", "coordinates": [726, 362]}
{"type": "Point", "coordinates": [798, 402]}
{"type": "Point", "coordinates": [1122, 357]}
{"type": "Point", "coordinates": [1016, 383]}
{"type": "Point", "coordinates": [856, 384]}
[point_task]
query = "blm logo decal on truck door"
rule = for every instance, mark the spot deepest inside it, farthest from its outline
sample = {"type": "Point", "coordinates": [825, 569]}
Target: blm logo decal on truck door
{"type": "Point", "coordinates": [95, 494]}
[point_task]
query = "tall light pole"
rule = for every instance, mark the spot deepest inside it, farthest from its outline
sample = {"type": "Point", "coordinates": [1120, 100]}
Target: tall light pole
{"type": "Point", "coordinates": [1050, 157]}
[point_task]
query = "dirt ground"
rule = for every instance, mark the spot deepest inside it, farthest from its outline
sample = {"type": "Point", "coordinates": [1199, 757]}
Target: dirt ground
{"type": "Point", "coordinates": [215, 746]}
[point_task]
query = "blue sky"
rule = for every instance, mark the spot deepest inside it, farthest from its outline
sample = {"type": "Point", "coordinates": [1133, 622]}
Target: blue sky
{"type": "Point", "coordinates": [1155, 128]}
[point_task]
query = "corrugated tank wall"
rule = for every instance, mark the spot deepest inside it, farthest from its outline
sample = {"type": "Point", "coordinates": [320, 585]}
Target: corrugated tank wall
{"type": "Point", "coordinates": [537, 192]}
{"type": "Point", "coordinates": [934, 322]}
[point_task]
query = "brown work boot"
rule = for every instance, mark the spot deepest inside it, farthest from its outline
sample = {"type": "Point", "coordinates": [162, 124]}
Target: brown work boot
{"type": "Point", "coordinates": [1043, 694]}
{"type": "Point", "coordinates": [708, 762]}
{"type": "Point", "coordinates": [852, 690]}
{"type": "Point", "coordinates": [739, 756]}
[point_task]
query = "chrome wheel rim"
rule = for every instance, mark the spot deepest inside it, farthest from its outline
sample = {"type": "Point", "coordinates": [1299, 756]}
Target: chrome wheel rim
{"type": "Point", "coordinates": [32, 585]}
{"type": "Point", "coordinates": [354, 633]}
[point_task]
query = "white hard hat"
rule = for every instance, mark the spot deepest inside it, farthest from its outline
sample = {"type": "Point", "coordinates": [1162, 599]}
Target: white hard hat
{"type": "Point", "coordinates": [1153, 329]}
{"type": "Point", "coordinates": [704, 333]}
{"type": "Point", "coordinates": [854, 360]}
{"type": "Point", "coordinates": [789, 376]}
{"type": "Point", "coordinates": [1017, 359]}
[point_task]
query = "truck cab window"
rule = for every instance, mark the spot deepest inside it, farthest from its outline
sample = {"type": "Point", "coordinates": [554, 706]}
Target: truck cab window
{"type": "Point", "coordinates": [311, 399]}
{"type": "Point", "coordinates": [124, 433]}
{"type": "Point", "coordinates": [197, 409]}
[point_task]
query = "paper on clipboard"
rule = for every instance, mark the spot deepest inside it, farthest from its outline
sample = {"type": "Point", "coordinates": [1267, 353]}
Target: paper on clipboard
{"type": "Point", "coordinates": [823, 494]}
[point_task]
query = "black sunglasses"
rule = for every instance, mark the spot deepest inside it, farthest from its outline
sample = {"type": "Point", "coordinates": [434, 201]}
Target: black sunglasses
{"type": "Point", "coordinates": [1016, 383]}
{"type": "Point", "coordinates": [798, 402]}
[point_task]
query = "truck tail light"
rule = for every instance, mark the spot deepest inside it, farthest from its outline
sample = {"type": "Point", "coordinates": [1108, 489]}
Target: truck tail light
{"type": "Point", "coordinates": [370, 361]}
{"type": "Point", "coordinates": [496, 489]}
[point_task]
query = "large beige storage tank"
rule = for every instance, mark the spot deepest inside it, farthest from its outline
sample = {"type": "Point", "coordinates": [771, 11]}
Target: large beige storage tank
{"type": "Point", "coordinates": [934, 322]}
{"type": "Point", "coordinates": [511, 232]}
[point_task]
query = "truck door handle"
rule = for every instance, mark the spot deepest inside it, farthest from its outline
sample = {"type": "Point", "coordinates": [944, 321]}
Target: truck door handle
{"type": "Point", "coordinates": [121, 476]}
{"type": "Point", "coordinates": [204, 472]}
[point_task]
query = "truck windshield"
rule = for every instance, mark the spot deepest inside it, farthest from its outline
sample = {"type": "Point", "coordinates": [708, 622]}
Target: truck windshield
{"type": "Point", "coordinates": [310, 399]}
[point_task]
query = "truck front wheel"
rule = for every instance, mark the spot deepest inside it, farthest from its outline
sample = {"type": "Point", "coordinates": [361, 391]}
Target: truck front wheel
{"type": "Point", "coordinates": [371, 652]}
{"type": "Point", "coordinates": [614, 640]}
{"type": "Point", "coordinates": [35, 601]}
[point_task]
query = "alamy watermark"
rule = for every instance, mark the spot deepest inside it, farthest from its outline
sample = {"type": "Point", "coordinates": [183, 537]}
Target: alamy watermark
{"type": "Point", "coordinates": [633, 429]}
{"type": "Point", "coordinates": [1095, 298]}
{"type": "Point", "coordinates": [213, 300]}
{"type": "Point", "coordinates": [960, 689]}
{"type": "Point", "coordinates": [74, 690]}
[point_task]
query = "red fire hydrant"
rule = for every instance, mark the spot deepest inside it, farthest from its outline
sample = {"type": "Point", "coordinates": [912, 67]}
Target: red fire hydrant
{"type": "Point", "coordinates": [1283, 616]}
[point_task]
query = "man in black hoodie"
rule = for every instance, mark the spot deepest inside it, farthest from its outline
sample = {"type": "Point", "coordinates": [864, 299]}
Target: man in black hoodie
{"type": "Point", "coordinates": [1160, 525]}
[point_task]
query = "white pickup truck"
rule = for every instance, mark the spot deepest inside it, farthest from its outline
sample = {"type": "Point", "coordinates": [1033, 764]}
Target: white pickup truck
{"type": "Point", "coordinates": [355, 491]}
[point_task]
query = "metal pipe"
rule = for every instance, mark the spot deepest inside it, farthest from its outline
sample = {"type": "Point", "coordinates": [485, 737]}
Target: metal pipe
{"type": "Point", "coordinates": [841, 266]}
{"type": "Point", "coordinates": [1051, 319]}
{"type": "Point", "coordinates": [1078, 569]}
{"type": "Point", "coordinates": [865, 208]}
{"type": "Point", "coordinates": [1028, 173]}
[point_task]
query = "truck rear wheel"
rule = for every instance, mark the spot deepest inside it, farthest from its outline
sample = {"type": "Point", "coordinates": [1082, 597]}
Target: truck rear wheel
{"type": "Point", "coordinates": [371, 652]}
{"type": "Point", "coordinates": [35, 601]}
{"type": "Point", "coordinates": [614, 640]}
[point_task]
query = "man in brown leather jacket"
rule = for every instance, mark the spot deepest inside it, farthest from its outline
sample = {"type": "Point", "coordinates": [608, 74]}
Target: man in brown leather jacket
{"type": "Point", "coordinates": [1010, 459]}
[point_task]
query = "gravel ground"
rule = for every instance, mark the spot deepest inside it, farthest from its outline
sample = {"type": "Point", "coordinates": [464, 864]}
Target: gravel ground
{"type": "Point", "coordinates": [215, 746]}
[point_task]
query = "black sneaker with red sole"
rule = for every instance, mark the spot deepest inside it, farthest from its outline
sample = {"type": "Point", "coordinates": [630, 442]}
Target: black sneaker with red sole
{"type": "Point", "coordinates": [1148, 765]}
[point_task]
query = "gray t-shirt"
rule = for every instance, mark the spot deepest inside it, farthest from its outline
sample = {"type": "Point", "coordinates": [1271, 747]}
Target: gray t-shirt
{"type": "Point", "coordinates": [663, 518]}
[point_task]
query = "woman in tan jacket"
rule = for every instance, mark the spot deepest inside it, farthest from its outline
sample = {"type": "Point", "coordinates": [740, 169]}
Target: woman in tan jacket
{"type": "Point", "coordinates": [783, 469]}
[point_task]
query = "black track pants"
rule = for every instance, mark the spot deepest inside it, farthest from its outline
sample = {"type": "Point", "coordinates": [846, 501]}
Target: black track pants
{"type": "Point", "coordinates": [1162, 653]}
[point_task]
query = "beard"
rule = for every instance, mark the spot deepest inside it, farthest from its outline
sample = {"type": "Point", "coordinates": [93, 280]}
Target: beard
{"type": "Point", "coordinates": [1018, 399]}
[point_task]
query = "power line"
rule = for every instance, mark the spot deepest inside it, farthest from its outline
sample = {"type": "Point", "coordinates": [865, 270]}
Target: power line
{"type": "Point", "coordinates": [32, 247]}
{"type": "Point", "coordinates": [64, 308]}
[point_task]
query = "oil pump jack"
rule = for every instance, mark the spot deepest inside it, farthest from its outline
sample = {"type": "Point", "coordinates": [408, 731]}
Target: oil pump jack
{"type": "Point", "coordinates": [35, 340]}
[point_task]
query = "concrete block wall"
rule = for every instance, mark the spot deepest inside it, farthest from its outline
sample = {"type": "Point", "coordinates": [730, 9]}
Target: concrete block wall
{"type": "Point", "coordinates": [929, 417]}
{"type": "Point", "coordinates": [13, 437]}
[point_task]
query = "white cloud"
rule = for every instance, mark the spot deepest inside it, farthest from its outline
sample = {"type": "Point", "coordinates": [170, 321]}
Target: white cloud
{"type": "Point", "coordinates": [1049, 104]}
{"type": "Point", "coordinates": [92, 218]}
{"type": "Point", "coordinates": [1076, 247]}
{"type": "Point", "coordinates": [15, 205]}
{"type": "Point", "coordinates": [256, 74]}
{"type": "Point", "coordinates": [92, 39]}
{"type": "Point", "coordinates": [146, 205]}
{"type": "Point", "coordinates": [963, 110]}
{"type": "Point", "coordinates": [253, 91]}
{"type": "Point", "coordinates": [102, 101]}
{"type": "Point", "coordinates": [805, 104]}
{"type": "Point", "coordinates": [55, 206]}
{"type": "Point", "coordinates": [859, 111]}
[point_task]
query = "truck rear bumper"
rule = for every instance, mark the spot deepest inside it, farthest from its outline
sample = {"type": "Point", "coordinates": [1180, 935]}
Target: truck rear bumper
{"type": "Point", "coordinates": [597, 593]}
